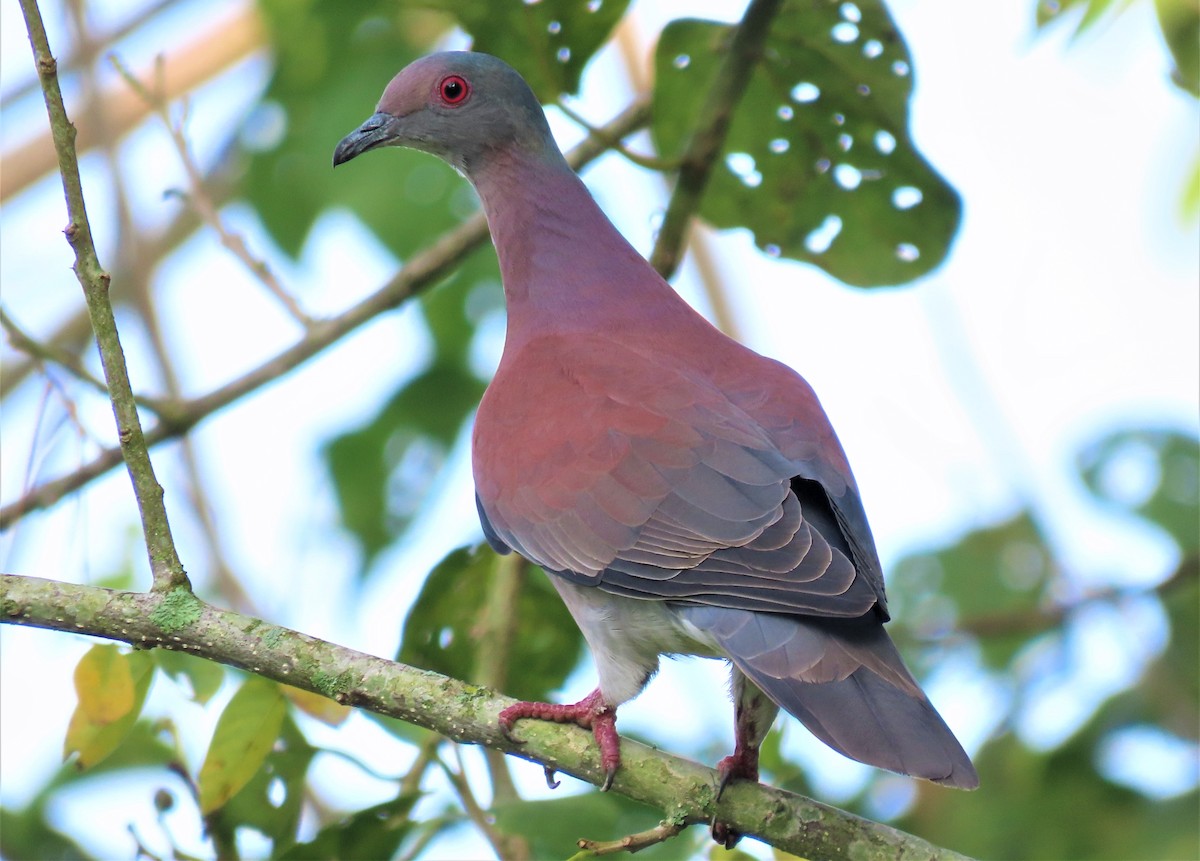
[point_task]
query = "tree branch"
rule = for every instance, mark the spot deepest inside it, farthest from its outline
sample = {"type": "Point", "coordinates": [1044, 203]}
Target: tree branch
{"type": "Point", "coordinates": [164, 561]}
{"type": "Point", "coordinates": [421, 271]}
{"type": "Point", "coordinates": [705, 144]}
{"type": "Point", "coordinates": [683, 790]}
{"type": "Point", "coordinates": [229, 41]}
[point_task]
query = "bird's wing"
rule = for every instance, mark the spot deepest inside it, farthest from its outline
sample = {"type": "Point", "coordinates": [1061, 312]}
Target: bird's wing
{"type": "Point", "coordinates": [649, 480]}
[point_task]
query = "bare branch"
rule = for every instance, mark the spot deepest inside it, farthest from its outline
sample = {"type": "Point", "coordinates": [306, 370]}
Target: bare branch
{"type": "Point", "coordinates": [727, 89]}
{"type": "Point", "coordinates": [229, 41]}
{"type": "Point", "coordinates": [660, 833]}
{"type": "Point", "coordinates": [235, 243]}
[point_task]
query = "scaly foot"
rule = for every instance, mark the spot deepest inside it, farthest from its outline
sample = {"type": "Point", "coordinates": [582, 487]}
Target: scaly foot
{"type": "Point", "coordinates": [591, 712]}
{"type": "Point", "coordinates": [742, 764]}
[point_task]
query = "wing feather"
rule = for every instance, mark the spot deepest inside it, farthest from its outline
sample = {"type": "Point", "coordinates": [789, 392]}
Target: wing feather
{"type": "Point", "coordinates": [676, 488]}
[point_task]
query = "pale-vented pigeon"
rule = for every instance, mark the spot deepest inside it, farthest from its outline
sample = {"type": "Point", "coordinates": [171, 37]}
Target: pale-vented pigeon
{"type": "Point", "coordinates": [685, 494]}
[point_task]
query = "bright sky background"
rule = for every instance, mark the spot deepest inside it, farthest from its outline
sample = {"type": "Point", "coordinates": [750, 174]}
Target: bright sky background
{"type": "Point", "coordinates": [1069, 307]}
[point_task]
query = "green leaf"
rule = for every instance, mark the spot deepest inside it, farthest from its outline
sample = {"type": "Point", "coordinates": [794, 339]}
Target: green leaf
{"type": "Point", "coordinates": [272, 800]}
{"type": "Point", "coordinates": [375, 832]}
{"type": "Point", "coordinates": [203, 678]}
{"type": "Point", "coordinates": [384, 470]}
{"type": "Point", "coordinates": [819, 162]}
{"type": "Point", "coordinates": [244, 735]}
{"type": "Point", "coordinates": [26, 834]}
{"type": "Point", "coordinates": [553, 826]}
{"type": "Point", "coordinates": [548, 42]}
{"type": "Point", "coordinates": [439, 633]}
{"type": "Point", "coordinates": [1179, 21]}
{"type": "Point", "coordinates": [112, 688]}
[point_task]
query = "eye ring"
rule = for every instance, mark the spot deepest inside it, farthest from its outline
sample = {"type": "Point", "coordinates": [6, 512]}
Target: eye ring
{"type": "Point", "coordinates": [453, 90]}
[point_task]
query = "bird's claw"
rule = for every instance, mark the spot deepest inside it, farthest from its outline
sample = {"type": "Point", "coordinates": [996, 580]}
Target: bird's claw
{"type": "Point", "coordinates": [551, 781]}
{"type": "Point", "coordinates": [506, 729]}
{"type": "Point", "coordinates": [609, 774]}
{"type": "Point", "coordinates": [723, 834]}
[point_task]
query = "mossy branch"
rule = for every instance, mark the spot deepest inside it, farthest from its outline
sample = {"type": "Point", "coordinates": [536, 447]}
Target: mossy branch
{"type": "Point", "coordinates": [684, 791]}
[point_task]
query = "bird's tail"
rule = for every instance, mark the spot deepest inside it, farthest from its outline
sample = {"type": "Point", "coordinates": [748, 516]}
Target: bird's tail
{"type": "Point", "coordinates": [846, 682]}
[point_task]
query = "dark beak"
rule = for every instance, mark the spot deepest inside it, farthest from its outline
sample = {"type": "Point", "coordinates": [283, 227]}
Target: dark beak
{"type": "Point", "coordinates": [377, 131]}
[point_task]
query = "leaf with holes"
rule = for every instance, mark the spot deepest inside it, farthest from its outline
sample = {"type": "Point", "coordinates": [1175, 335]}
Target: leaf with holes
{"type": "Point", "coordinates": [819, 163]}
{"type": "Point", "coordinates": [548, 42]}
{"type": "Point", "coordinates": [112, 687]}
{"type": "Point", "coordinates": [245, 734]}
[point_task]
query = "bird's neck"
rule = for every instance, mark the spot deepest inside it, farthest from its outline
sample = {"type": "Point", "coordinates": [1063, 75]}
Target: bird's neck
{"type": "Point", "coordinates": [561, 259]}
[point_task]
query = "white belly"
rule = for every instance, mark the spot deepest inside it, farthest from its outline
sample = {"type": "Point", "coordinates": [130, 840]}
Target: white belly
{"type": "Point", "coordinates": [627, 636]}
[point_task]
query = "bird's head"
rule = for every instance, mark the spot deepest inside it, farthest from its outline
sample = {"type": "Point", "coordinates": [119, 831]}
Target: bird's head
{"type": "Point", "coordinates": [458, 105]}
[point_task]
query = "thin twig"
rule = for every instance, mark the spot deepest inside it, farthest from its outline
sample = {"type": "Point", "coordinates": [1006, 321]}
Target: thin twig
{"type": "Point", "coordinates": [615, 144]}
{"type": "Point", "coordinates": [73, 60]}
{"type": "Point", "coordinates": [422, 271]}
{"type": "Point", "coordinates": [23, 341]}
{"type": "Point", "coordinates": [508, 847]}
{"type": "Point", "coordinates": [235, 243]}
{"type": "Point", "coordinates": [164, 560]}
{"type": "Point", "coordinates": [72, 335]}
{"type": "Point", "coordinates": [660, 833]}
{"type": "Point", "coordinates": [702, 150]}
{"type": "Point", "coordinates": [227, 43]}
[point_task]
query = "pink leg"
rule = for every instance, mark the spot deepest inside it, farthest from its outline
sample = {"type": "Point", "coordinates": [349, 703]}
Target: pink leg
{"type": "Point", "coordinates": [753, 715]}
{"type": "Point", "coordinates": [591, 712]}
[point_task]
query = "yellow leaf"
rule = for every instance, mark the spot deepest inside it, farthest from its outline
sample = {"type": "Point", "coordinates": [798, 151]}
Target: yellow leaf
{"type": "Point", "coordinates": [94, 739]}
{"type": "Point", "coordinates": [315, 705]}
{"type": "Point", "coordinates": [245, 734]}
{"type": "Point", "coordinates": [104, 684]}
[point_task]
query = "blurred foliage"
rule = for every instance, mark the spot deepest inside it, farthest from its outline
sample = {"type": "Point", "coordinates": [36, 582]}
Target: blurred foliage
{"type": "Point", "coordinates": [818, 163]}
{"type": "Point", "coordinates": [441, 631]}
{"type": "Point", "coordinates": [1178, 20]}
{"type": "Point", "coordinates": [822, 133]}
{"type": "Point", "coordinates": [997, 583]}
{"type": "Point", "coordinates": [553, 825]}
{"type": "Point", "coordinates": [1179, 23]}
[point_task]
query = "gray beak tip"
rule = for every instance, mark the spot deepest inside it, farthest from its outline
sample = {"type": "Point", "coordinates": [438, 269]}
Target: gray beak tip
{"type": "Point", "coordinates": [377, 131]}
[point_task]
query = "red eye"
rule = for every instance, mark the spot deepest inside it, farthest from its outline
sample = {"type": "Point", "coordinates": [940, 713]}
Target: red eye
{"type": "Point", "coordinates": [454, 90]}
